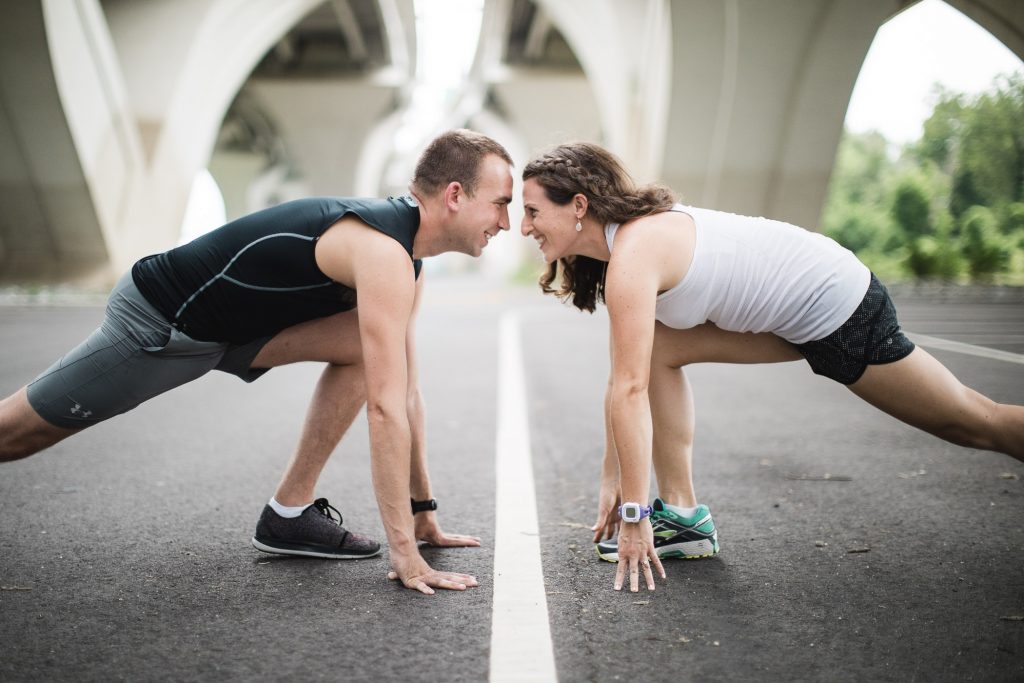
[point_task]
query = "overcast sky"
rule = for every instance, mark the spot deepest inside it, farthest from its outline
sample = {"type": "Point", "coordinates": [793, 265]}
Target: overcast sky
{"type": "Point", "coordinates": [929, 43]}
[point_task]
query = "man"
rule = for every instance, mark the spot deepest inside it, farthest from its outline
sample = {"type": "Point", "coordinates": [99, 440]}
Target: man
{"type": "Point", "coordinates": [282, 286]}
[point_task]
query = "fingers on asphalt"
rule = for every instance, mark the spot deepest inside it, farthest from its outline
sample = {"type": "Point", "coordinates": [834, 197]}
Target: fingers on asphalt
{"type": "Point", "coordinates": [649, 575]}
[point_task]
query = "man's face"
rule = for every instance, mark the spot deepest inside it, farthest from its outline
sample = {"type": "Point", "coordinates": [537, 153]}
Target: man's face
{"type": "Point", "coordinates": [484, 214]}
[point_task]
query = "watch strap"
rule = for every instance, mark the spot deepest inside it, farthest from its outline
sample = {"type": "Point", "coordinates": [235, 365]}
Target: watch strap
{"type": "Point", "coordinates": [423, 505]}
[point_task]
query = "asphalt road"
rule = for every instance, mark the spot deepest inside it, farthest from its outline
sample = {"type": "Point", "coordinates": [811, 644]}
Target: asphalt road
{"type": "Point", "coordinates": [124, 552]}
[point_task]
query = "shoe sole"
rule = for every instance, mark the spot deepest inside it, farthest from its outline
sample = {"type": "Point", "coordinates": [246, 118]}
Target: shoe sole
{"type": "Point", "coordinates": [306, 551]}
{"type": "Point", "coordinates": [691, 550]}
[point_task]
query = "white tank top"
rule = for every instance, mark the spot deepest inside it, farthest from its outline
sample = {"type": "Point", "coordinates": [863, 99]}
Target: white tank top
{"type": "Point", "coordinates": [759, 275]}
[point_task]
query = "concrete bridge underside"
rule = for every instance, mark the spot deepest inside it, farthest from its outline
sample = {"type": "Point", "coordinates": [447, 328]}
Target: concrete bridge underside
{"type": "Point", "coordinates": [108, 109]}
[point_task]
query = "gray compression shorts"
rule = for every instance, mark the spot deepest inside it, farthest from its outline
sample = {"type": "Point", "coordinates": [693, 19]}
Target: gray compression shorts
{"type": "Point", "coordinates": [134, 356]}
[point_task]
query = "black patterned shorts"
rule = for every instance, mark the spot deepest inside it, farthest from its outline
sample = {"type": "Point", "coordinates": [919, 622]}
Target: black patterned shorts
{"type": "Point", "coordinates": [871, 336]}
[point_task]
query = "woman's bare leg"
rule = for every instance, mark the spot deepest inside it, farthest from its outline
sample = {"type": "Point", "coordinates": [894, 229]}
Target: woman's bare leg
{"type": "Point", "coordinates": [671, 398]}
{"type": "Point", "coordinates": [922, 392]}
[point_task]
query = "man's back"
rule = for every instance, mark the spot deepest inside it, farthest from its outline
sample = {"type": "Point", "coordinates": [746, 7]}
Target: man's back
{"type": "Point", "coordinates": [258, 275]}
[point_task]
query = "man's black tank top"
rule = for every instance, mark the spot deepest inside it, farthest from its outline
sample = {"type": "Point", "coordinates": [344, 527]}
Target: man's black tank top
{"type": "Point", "coordinates": [257, 275]}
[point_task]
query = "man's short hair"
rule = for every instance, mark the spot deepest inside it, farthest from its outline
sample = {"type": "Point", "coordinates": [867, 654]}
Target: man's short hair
{"type": "Point", "coordinates": [455, 156]}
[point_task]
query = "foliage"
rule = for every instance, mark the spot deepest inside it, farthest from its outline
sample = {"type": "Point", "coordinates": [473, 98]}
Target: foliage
{"type": "Point", "coordinates": [983, 246]}
{"type": "Point", "coordinates": [947, 205]}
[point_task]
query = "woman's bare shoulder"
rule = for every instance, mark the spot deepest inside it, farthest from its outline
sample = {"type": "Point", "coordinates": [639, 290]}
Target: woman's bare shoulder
{"type": "Point", "coordinates": [661, 243]}
{"type": "Point", "coordinates": [667, 226]}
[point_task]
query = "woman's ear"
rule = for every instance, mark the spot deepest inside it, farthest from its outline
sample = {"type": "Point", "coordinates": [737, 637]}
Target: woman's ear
{"type": "Point", "coordinates": [580, 204]}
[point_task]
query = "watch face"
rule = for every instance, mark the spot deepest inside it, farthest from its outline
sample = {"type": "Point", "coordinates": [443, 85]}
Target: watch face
{"type": "Point", "coordinates": [630, 512]}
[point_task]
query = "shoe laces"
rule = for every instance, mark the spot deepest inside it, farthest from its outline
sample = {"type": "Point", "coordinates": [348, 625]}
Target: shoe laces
{"type": "Point", "coordinates": [325, 509]}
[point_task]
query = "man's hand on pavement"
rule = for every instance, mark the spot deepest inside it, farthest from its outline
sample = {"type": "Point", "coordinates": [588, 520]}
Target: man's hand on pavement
{"type": "Point", "coordinates": [414, 572]}
{"type": "Point", "coordinates": [429, 531]}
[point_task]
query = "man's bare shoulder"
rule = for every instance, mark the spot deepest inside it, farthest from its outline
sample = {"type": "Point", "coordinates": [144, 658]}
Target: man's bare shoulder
{"type": "Point", "coordinates": [350, 248]}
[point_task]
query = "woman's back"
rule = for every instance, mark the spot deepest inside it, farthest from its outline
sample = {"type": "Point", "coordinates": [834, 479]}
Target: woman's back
{"type": "Point", "coordinates": [758, 275]}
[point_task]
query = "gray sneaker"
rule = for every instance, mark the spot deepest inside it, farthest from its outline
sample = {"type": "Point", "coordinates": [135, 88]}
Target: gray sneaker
{"type": "Point", "coordinates": [314, 533]}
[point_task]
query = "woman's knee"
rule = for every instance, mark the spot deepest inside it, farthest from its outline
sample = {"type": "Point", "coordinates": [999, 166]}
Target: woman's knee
{"type": "Point", "coordinates": [352, 375]}
{"type": "Point", "coordinates": [976, 425]}
{"type": "Point", "coordinates": [667, 352]}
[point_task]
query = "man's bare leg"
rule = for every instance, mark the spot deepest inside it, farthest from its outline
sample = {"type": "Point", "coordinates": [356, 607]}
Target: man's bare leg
{"type": "Point", "coordinates": [339, 395]}
{"type": "Point", "coordinates": [22, 431]}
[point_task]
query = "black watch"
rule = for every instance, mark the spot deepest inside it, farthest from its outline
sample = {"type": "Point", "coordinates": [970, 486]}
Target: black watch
{"type": "Point", "coordinates": [423, 505]}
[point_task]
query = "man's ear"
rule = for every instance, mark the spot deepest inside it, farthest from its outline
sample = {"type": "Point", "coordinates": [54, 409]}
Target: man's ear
{"type": "Point", "coordinates": [453, 195]}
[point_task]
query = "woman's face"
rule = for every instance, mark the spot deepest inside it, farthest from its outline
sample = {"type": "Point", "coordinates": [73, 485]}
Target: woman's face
{"type": "Point", "coordinates": [553, 226]}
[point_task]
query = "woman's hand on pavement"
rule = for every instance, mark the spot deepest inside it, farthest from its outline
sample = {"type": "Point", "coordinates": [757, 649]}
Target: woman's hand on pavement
{"type": "Point", "coordinates": [636, 554]}
{"type": "Point", "coordinates": [607, 511]}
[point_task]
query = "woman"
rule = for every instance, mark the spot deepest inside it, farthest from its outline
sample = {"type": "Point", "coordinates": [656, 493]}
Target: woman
{"type": "Point", "coordinates": [685, 285]}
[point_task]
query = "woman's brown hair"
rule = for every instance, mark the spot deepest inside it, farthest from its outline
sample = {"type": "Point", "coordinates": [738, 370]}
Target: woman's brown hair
{"type": "Point", "coordinates": [612, 197]}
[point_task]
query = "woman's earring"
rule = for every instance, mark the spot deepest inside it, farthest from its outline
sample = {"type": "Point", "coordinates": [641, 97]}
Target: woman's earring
{"type": "Point", "coordinates": [579, 226]}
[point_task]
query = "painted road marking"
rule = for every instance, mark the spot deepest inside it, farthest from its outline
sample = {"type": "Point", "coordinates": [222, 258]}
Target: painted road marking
{"type": "Point", "coordinates": [967, 349]}
{"type": "Point", "coordinates": [521, 648]}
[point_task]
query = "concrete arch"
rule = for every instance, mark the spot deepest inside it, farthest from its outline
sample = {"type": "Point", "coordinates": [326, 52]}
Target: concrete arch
{"type": "Point", "coordinates": [179, 111]}
{"type": "Point", "coordinates": [109, 112]}
{"type": "Point", "coordinates": [625, 50]}
{"type": "Point", "coordinates": [50, 226]}
{"type": "Point", "coordinates": [760, 92]}
{"type": "Point", "coordinates": [1004, 19]}
{"type": "Point", "coordinates": [759, 95]}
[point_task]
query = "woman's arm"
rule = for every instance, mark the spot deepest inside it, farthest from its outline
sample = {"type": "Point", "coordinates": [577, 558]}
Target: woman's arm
{"type": "Point", "coordinates": [610, 496]}
{"type": "Point", "coordinates": [633, 280]}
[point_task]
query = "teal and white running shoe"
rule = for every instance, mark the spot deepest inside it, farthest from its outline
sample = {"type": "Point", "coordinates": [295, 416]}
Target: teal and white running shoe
{"type": "Point", "coordinates": [674, 535]}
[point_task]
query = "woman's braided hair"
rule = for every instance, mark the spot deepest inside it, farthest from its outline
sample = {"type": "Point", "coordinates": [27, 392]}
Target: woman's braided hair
{"type": "Point", "coordinates": [612, 197]}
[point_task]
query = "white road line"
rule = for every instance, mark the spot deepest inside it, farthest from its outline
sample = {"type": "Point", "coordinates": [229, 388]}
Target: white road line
{"type": "Point", "coordinates": [967, 349]}
{"type": "Point", "coordinates": [521, 648]}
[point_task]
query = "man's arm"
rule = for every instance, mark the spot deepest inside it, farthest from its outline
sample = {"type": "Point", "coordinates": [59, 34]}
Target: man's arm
{"type": "Point", "coordinates": [426, 527]}
{"type": "Point", "coordinates": [419, 482]}
{"type": "Point", "coordinates": [383, 278]}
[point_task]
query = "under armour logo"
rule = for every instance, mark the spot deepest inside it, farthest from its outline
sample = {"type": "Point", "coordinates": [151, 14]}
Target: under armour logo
{"type": "Point", "coordinates": [77, 410]}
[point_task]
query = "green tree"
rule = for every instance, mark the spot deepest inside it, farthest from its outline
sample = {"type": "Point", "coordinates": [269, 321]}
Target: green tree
{"type": "Point", "coordinates": [949, 203]}
{"type": "Point", "coordinates": [990, 168]}
{"type": "Point", "coordinates": [1012, 222]}
{"type": "Point", "coordinates": [941, 131]}
{"type": "Point", "coordinates": [984, 248]}
{"type": "Point", "coordinates": [911, 208]}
